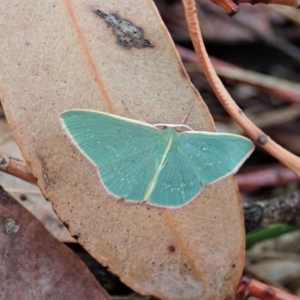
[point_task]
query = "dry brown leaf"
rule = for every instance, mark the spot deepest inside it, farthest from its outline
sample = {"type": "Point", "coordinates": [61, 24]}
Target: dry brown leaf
{"type": "Point", "coordinates": [34, 265]}
{"type": "Point", "coordinates": [60, 55]}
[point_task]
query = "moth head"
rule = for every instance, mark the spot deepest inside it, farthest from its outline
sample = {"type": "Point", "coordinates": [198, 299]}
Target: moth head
{"type": "Point", "coordinates": [177, 127]}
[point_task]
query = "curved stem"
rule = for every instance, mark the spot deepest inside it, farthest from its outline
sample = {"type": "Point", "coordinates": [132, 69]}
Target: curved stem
{"type": "Point", "coordinates": [16, 168]}
{"type": "Point", "coordinates": [292, 3]}
{"type": "Point", "coordinates": [285, 157]}
{"type": "Point", "coordinates": [251, 287]}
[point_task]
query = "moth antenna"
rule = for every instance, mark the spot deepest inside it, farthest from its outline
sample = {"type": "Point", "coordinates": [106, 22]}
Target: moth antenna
{"type": "Point", "coordinates": [130, 111]}
{"type": "Point", "coordinates": [187, 115]}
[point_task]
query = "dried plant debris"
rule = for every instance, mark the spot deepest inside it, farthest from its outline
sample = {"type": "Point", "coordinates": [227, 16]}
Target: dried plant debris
{"type": "Point", "coordinates": [282, 209]}
{"type": "Point", "coordinates": [11, 227]}
{"type": "Point", "coordinates": [127, 34]}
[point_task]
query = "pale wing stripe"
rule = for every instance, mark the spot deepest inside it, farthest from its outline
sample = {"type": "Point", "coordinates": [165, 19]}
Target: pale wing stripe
{"type": "Point", "coordinates": [153, 182]}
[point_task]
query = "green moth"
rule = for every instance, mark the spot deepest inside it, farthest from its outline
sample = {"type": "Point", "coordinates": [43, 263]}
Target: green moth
{"type": "Point", "coordinates": [140, 162]}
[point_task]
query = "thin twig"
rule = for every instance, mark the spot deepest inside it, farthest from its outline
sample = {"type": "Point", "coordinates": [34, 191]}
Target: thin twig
{"type": "Point", "coordinates": [16, 168]}
{"type": "Point", "coordinates": [272, 175]}
{"type": "Point", "coordinates": [284, 156]}
{"type": "Point", "coordinates": [275, 41]}
{"type": "Point", "coordinates": [287, 90]}
{"type": "Point", "coordinates": [251, 287]}
{"type": "Point", "coordinates": [292, 3]}
{"type": "Point", "coordinates": [231, 7]}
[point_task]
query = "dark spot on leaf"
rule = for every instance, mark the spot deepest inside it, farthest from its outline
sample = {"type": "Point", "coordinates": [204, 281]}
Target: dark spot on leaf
{"type": "Point", "coordinates": [75, 236]}
{"type": "Point", "coordinates": [66, 225]}
{"type": "Point", "coordinates": [172, 248]}
{"type": "Point", "coordinates": [23, 197]}
{"type": "Point", "coordinates": [127, 34]}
